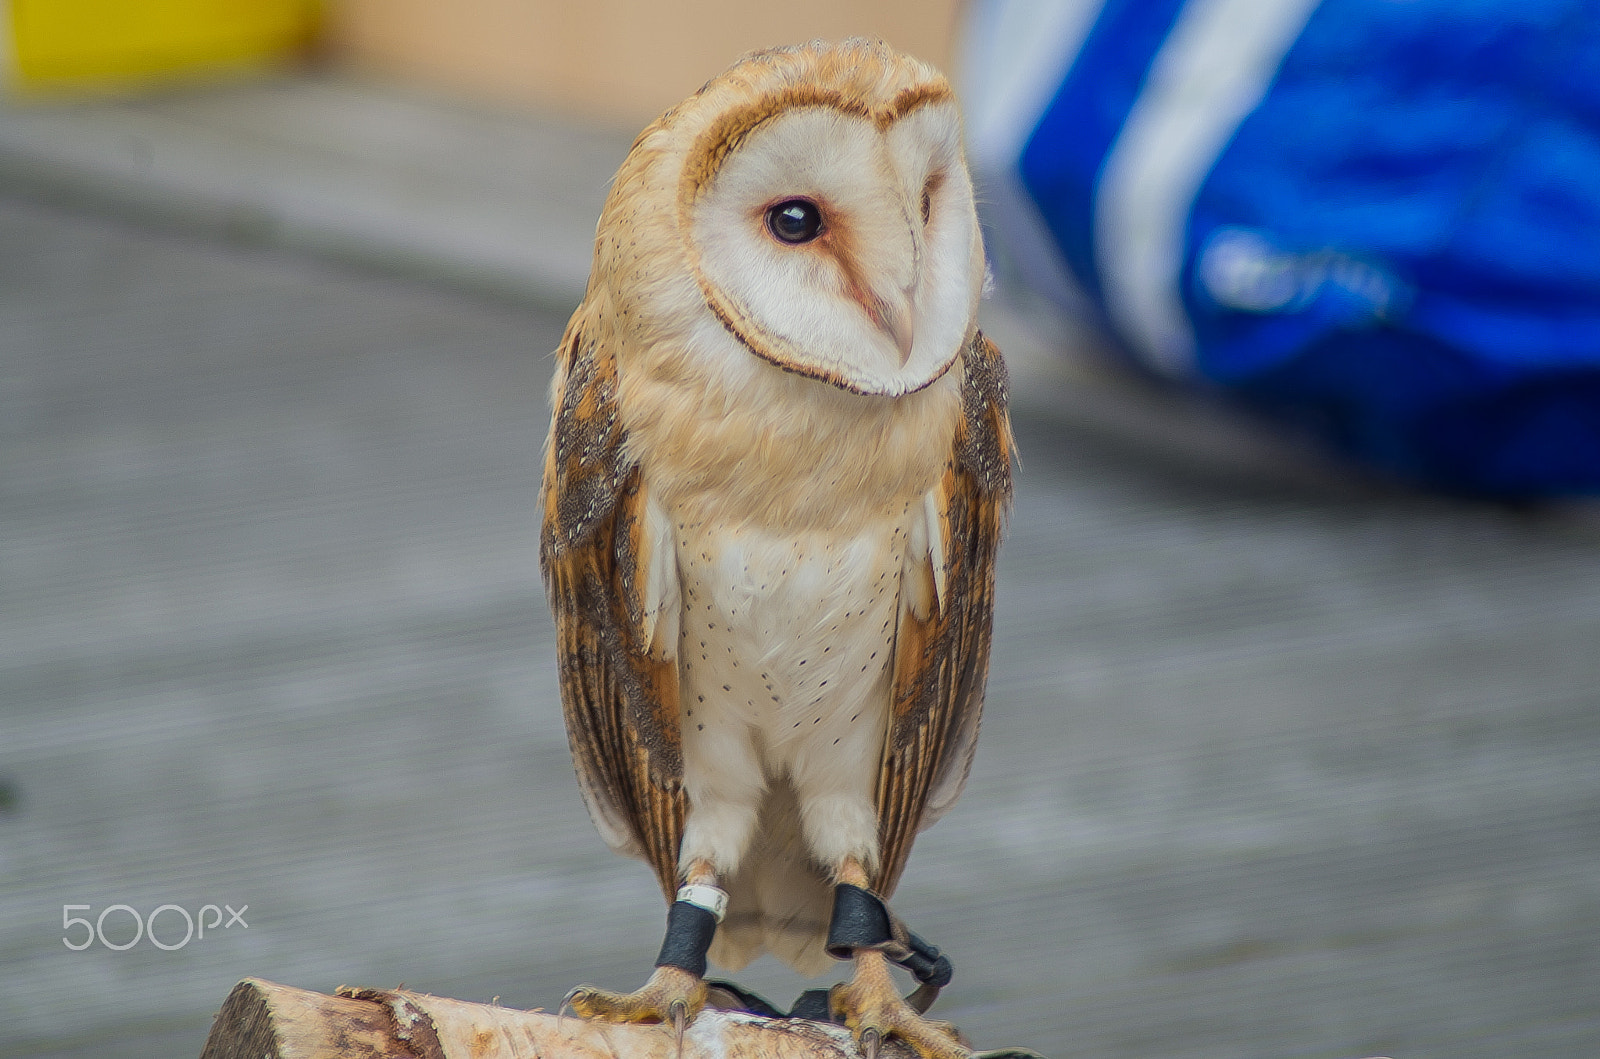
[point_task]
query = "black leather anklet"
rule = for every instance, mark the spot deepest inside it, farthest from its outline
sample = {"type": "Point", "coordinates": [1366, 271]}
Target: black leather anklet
{"type": "Point", "coordinates": [926, 963]}
{"type": "Point", "coordinates": [690, 929]}
{"type": "Point", "coordinates": [862, 921]}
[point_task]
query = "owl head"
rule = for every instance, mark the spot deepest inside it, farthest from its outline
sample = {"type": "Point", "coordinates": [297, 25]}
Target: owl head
{"type": "Point", "coordinates": [820, 219]}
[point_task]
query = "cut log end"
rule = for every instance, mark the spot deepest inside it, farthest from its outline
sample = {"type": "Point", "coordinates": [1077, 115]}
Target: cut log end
{"type": "Point", "coordinates": [265, 1020]}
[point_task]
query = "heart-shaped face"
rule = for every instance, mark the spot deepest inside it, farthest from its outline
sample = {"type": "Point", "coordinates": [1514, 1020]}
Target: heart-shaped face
{"type": "Point", "coordinates": [834, 233]}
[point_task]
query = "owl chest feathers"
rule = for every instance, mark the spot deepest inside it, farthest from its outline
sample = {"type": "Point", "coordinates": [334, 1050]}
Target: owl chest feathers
{"type": "Point", "coordinates": [737, 441]}
{"type": "Point", "coordinates": [787, 524]}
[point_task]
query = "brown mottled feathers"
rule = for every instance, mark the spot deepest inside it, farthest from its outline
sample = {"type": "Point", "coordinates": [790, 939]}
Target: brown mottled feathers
{"type": "Point", "coordinates": [621, 707]}
{"type": "Point", "coordinates": [941, 664]}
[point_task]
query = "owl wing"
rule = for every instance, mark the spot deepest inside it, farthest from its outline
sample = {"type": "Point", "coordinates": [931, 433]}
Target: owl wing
{"type": "Point", "coordinates": [619, 687]}
{"type": "Point", "coordinates": [942, 655]}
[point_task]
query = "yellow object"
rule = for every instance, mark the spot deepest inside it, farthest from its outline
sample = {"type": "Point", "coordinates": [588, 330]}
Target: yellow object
{"type": "Point", "coordinates": [87, 42]}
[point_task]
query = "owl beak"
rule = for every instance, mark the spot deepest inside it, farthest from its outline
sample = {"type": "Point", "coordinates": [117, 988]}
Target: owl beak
{"type": "Point", "coordinates": [895, 320]}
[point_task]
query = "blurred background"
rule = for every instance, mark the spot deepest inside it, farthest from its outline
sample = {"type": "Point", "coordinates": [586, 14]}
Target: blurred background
{"type": "Point", "coordinates": [1289, 750]}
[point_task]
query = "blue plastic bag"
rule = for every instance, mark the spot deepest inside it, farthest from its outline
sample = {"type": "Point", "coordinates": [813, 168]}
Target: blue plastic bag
{"type": "Point", "coordinates": [1378, 219]}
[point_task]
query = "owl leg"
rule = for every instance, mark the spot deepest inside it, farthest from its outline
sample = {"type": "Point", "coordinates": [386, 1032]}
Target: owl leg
{"type": "Point", "coordinates": [870, 1003]}
{"type": "Point", "coordinates": [676, 991]}
{"type": "Point", "coordinates": [725, 784]}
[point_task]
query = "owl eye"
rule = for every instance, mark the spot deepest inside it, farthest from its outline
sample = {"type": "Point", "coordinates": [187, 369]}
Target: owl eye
{"type": "Point", "coordinates": [795, 221]}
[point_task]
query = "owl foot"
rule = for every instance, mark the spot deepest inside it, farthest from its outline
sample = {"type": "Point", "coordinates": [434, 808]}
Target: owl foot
{"type": "Point", "coordinates": [870, 1004]}
{"type": "Point", "coordinates": [672, 995]}
{"type": "Point", "coordinates": [676, 992]}
{"type": "Point", "coordinates": [872, 1007]}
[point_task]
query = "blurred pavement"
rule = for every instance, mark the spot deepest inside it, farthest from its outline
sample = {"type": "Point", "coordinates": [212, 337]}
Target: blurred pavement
{"type": "Point", "coordinates": [1277, 761]}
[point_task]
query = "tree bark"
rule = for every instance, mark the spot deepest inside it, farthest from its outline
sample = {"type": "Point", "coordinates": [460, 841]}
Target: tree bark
{"type": "Point", "coordinates": [264, 1020]}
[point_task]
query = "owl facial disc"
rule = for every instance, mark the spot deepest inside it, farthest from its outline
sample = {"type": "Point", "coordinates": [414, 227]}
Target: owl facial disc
{"type": "Point", "coordinates": [838, 241]}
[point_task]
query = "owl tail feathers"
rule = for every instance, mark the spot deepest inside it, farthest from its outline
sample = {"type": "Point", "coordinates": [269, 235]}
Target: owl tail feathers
{"type": "Point", "coordinates": [779, 901]}
{"type": "Point", "coordinates": [796, 942]}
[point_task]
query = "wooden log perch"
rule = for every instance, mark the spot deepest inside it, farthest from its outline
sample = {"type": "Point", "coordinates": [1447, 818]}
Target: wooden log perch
{"type": "Point", "coordinates": [264, 1020]}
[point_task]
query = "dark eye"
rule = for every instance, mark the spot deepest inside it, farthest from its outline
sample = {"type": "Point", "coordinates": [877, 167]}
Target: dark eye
{"type": "Point", "coordinates": [795, 221]}
{"type": "Point", "coordinates": [929, 190]}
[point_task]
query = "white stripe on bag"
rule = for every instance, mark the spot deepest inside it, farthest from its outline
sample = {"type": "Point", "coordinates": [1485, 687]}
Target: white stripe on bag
{"type": "Point", "coordinates": [1016, 55]}
{"type": "Point", "coordinates": [1214, 69]}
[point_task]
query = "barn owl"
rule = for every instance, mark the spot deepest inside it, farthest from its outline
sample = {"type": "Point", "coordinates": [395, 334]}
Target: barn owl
{"type": "Point", "coordinates": [773, 493]}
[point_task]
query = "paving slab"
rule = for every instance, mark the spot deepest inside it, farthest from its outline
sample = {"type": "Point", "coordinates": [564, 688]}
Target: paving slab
{"type": "Point", "coordinates": [495, 199]}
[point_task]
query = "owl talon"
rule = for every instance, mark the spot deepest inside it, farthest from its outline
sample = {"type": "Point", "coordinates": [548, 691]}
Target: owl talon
{"type": "Point", "coordinates": [671, 996]}
{"type": "Point", "coordinates": [680, 1019]}
{"type": "Point", "coordinates": [871, 1006]}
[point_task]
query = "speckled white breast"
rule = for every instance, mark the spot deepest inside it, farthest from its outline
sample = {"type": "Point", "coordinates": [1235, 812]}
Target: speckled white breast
{"type": "Point", "coordinates": [790, 637]}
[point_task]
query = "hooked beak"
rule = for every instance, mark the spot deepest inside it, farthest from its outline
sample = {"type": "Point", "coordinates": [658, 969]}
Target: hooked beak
{"type": "Point", "coordinates": [895, 320]}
